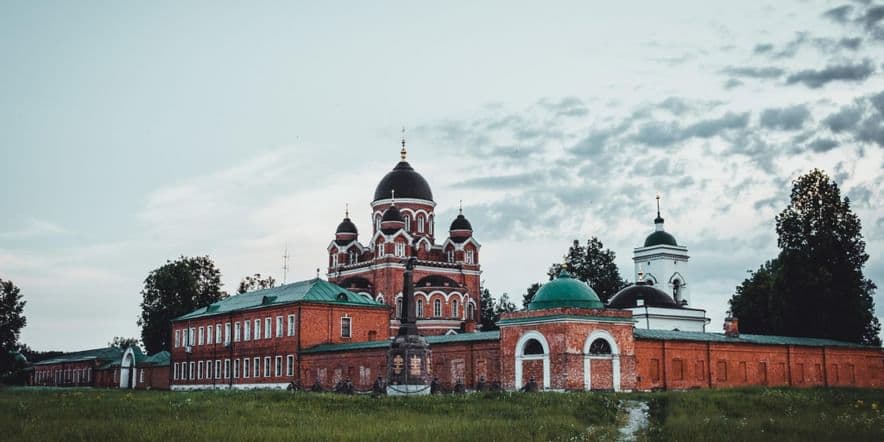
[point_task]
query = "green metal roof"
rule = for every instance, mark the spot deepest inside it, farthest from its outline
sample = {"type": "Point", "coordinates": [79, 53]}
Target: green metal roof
{"type": "Point", "coordinates": [565, 291]}
{"type": "Point", "coordinates": [433, 340]}
{"type": "Point", "coordinates": [673, 335]}
{"type": "Point", "coordinates": [158, 359]}
{"type": "Point", "coordinates": [100, 354]}
{"type": "Point", "coordinates": [313, 290]}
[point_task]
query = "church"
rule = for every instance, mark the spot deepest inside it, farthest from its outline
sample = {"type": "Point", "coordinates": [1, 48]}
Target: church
{"type": "Point", "coordinates": [321, 332]}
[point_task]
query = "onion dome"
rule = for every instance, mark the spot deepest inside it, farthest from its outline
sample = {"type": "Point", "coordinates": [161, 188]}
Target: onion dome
{"type": "Point", "coordinates": [565, 291]}
{"type": "Point", "coordinates": [659, 237]}
{"type": "Point", "coordinates": [649, 295]}
{"type": "Point", "coordinates": [392, 221]}
{"type": "Point", "coordinates": [404, 181]}
{"type": "Point", "coordinates": [460, 229]}
{"type": "Point", "coordinates": [346, 230]}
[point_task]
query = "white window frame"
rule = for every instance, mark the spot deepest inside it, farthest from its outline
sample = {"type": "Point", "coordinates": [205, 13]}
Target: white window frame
{"type": "Point", "coordinates": [277, 367]}
{"type": "Point", "coordinates": [217, 369]}
{"type": "Point", "coordinates": [437, 308]}
{"type": "Point", "coordinates": [450, 255]}
{"type": "Point", "coordinates": [209, 334]}
{"type": "Point", "coordinates": [256, 367]}
{"type": "Point", "coordinates": [400, 249]}
{"type": "Point", "coordinates": [349, 322]}
{"type": "Point", "coordinates": [208, 369]}
{"type": "Point", "coordinates": [420, 224]}
{"type": "Point", "coordinates": [334, 260]}
{"type": "Point", "coordinates": [245, 368]}
{"type": "Point", "coordinates": [279, 326]}
{"type": "Point", "coordinates": [175, 369]}
{"type": "Point", "coordinates": [257, 334]}
{"type": "Point", "coordinates": [200, 335]}
{"type": "Point", "coordinates": [218, 335]}
{"type": "Point", "coordinates": [290, 365]}
{"type": "Point", "coordinates": [454, 308]}
{"type": "Point", "coordinates": [227, 369]}
{"type": "Point", "coordinates": [190, 370]}
{"type": "Point", "coordinates": [177, 338]}
{"type": "Point", "coordinates": [247, 330]}
{"type": "Point", "coordinates": [268, 327]}
{"type": "Point", "coordinates": [191, 336]}
{"type": "Point", "coordinates": [226, 333]}
{"type": "Point", "coordinates": [420, 308]}
{"type": "Point", "coordinates": [469, 257]}
{"type": "Point", "coordinates": [267, 366]}
{"type": "Point", "coordinates": [236, 332]}
{"type": "Point", "coordinates": [291, 325]}
{"type": "Point", "coordinates": [199, 370]}
{"type": "Point", "coordinates": [236, 368]}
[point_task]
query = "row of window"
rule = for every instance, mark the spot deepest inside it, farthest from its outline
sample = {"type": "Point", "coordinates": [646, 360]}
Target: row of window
{"type": "Point", "coordinates": [420, 223]}
{"type": "Point", "coordinates": [437, 309]}
{"type": "Point", "coordinates": [75, 375]}
{"type": "Point", "coordinates": [230, 369]}
{"type": "Point", "coordinates": [469, 256]}
{"type": "Point", "coordinates": [248, 330]}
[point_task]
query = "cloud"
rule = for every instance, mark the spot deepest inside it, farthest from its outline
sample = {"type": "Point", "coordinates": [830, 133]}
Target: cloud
{"type": "Point", "coordinates": [503, 181]}
{"type": "Point", "coordinates": [822, 145]}
{"type": "Point", "coordinates": [763, 48]}
{"type": "Point", "coordinates": [36, 228]}
{"type": "Point", "coordinates": [846, 72]}
{"type": "Point", "coordinates": [877, 100]}
{"type": "Point", "coordinates": [753, 72]}
{"type": "Point", "coordinates": [844, 119]}
{"type": "Point", "coordinates": [788, 118]}
{"type": "Point", "coordinates": [732, 83]}
{"type": "Point", "coordinates": [565, 107]}
{"type": "Point", "coordinates": [839, 14]}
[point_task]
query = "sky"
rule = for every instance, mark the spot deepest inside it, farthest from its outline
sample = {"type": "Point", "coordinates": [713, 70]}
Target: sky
{"type": "Point", "coordinates": [132, 133]}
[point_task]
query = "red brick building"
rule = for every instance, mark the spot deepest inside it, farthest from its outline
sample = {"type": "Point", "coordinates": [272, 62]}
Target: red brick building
{"type": "Point", "coordinates": [108, 367]}
{"type": "Point", "coordinates": [403, 223]}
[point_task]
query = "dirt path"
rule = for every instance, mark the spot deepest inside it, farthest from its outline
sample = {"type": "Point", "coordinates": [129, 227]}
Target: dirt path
{"type": "Point", "coordinates": [637, 419]}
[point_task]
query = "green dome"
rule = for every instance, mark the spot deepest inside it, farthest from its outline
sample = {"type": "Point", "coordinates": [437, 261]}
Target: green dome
{"type": "Point", "coordinates": [660, 238]}
{"type": "Point", "coordinates": [565, 291]}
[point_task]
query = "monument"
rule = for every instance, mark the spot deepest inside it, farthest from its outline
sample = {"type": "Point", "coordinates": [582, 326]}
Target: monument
{"type": "Point", "coordinates": [408, 359]}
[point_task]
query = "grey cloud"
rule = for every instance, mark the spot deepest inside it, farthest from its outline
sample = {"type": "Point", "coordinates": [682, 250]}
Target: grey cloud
{"type": "Point", "coordinates": [839, 14]}
{"type": "Point", "coordinates": [861, 196]}
{"type": "Point", "coordinates": [850, 43]}
{"type": "Point", "coordinates": [877, 100]}
{"type": "Point", "coordinates": [822, 145]}
{"type": "Point", "coordinates": [844, 119]}
{"type": "Point", "coordinates": [565, 107]}
{"type": "Point", "coordinates": [788, 118]}
{"type": "Point", "coordinates": [732, 83]}
{"type": "Point", "coordinates": [818, 78]}
{"type": "Point", "coordinates": [762, 48]}
{"type": "Point", "coordinates": [675, 105]}
{"type": "Point", "coordinates": [712, 127]}
{"type": "Point", "coordinates": [753, 72]}
{"type": "Point", "coordinates": [872, 129]}
{"type": "Point", "coordinates": [503, 181]}
{"type": "Point", "coordinates": [665, 133]}
{"type": "Point", "coordinates": [873, 15]}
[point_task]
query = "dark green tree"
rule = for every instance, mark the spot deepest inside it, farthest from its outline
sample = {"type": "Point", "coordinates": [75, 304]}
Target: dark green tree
{"type": "Point", "coordinates": [124, 343]}
{"type": "Point", "coordinates": [255, 282]}
{"type": "Point", "coordinates": [817, 286]}
{"type": "Point", "coordinates": [12, 320]}
{"type": "Point", "coordinates": [529, 294]}
{"type": "Point", "coordinates": [488, 317]}
{"type": "Point", "coordinates": [504, 305]}
{"type": "Point", "coordinates": [594, 265]}
{"type": "Point", "coordinates": [176, 288]}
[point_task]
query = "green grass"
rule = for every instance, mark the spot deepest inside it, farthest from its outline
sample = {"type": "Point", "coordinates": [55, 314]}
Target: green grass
{"type": "Point", "coordinates": [766, 414]}
{"type": "Point", "coordinates": [721, 415]}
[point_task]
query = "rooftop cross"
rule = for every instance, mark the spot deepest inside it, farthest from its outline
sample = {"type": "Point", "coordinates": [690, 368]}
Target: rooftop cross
{"type": "Point", "coordinates": [403, 153]}
{"type": "Point", "coordinates": [346, 210]}
{"type": "Point", "coordinates": [460, 210]}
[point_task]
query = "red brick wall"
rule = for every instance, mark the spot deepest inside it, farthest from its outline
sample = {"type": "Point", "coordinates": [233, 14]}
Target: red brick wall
{"type": "Point", "coordinates": [681, 365]}
{"type": "Point", "coordinates": [73, 374]}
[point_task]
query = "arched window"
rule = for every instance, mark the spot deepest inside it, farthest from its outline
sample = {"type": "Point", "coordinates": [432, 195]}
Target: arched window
{"type": "Point", "coordinates": [398, 308]}
{"type": "Point", "coordinates": [430, 223]}
{"type": "Point", "coordinates": [676, 290]}
{"type": "Point", "coordinates": [600, 347]}
{"type": "Point", "coordinates": [354, 256]}
{"type": "Point", "coordinates": [471, 312]}
{"type": "Point", "coordinates": [420, 308]}
{"type": "Point", "coordinates": [379, 249]}
{"type": "Point", "coordinates": [437, 308]}
{"type": "Point", "coordinates": [532, 347]}
{"type": "Point", "coordinates": [407, 223]}
{"type": "Point", "coordinates": [420, 224]}
{"type": "Point", "coordinates": [455, 310]}
{"type": "Point", "coordinates": [450, 255]}
{"type": "Point", "coordinates": [377, 222]}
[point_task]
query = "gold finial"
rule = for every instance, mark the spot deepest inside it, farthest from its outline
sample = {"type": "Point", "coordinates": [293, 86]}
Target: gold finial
{"type": "Point", "coordinates": [403, 153]}
{"type": "Point", "coordinates": [658, 204]}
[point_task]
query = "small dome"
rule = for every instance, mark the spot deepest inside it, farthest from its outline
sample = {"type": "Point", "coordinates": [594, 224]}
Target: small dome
{"type": "Point", "coordinates": [392, 214]}
{"type": "Point", "coordinates": [461, 223]}
{"type": "Point", "coordinates": [346, 226]}
{"type": "Point", "coordinates": [406, 182]}
{"type": "Point", "coordinates": [652, 297]}
{"type": "Point", "coordinates": [660, 237]}
{"type": "Point", "coordinates": [565, 291]}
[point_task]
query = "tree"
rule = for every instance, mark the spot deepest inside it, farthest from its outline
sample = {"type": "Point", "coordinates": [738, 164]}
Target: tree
{"type": "Point", "coordinates": [488, 318]}
{"type": "Point", "coordinates": [817, 286]}
{"type": "Point", "coordinates": [593, 265]}
{"type": "Point", "coordinates": [12, 320]}
{"type": "Point", "coordinates": [504, 306]}
{"type": "Point", "coordinates": [255, 282]}
{"type": "Point", "coordinates": [123, 343]}
{"type": "Point", "coordinates": [176, 288]}
{"type": "Point", "coordinates": [529, 295]}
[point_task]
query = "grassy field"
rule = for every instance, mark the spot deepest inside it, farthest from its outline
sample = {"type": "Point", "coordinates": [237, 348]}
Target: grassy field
{"type": "Point", "coordinates": [757, 414]}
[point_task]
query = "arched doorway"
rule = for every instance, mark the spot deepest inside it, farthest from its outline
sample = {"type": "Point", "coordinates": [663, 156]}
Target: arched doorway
{"type": "Point", "coordinates": [127, 369]}
{"type": "Point", "coordinates": [532, 360]}
{"type": "Point", "coordinates": [601, 362]}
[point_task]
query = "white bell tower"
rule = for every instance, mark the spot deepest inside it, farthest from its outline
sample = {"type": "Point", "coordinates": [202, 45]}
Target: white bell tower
{"type": "Point", "coordinates": [663, 262]}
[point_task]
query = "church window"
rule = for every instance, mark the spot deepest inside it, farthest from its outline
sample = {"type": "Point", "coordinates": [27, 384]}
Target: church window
{"type": "Point", "coordinates": [430, 223]}
{"type": "Point", "coordinates": [420, 308]}
{"type": "Point", "coordinates": [236, 331]}
{"type": "Point", "coordinates": [257, 329]}
{"type": "Point", "coordinates": [437, 308]}
{"type": "Point", "coordinates": [267, 366]}
{"type": "Point", "coordinates": [455, 310]}
{"type": "Point", "coordinates": [532, 347]}
{"type": "Point", "coordinates": [354, 257]}
{"type": "Point", "coordinates": [246, 330]}
{"type": "Point", "coordinates": [227, 369]}
{"type": "Point", "coordinates": [268, 328]}
{"type": "Point", "coordinates": [217, 333]}
{"type": "Point", "coordinates": [407, 223]}
{"type": "Point", "coordinates": [226, 333]}
{"type": "Point", "coordinates": [201, 338]}
{"type": "Point", "coordinates": [469, 257]}
{"type": "Point", "coordinates": [471, 312]}
{"type": "Point", "coordinates": [291, 325]}
{"type": "Point", "coordinates": [398, 308]}
{"type": "Point", "coordinates": [217, 369]}
{"type": "Point", "coordinates": [676, 290]}
{"type": "Point", "coordinates": [450, 255]}
{"type": "Point", "coordinates": [279, 326]}
{"type": "Point", "coordinates": [290, 365]}
{"type": "Point", "coordinates": [191, 336]}
{"type": "Point", "coordinates": [177, 338]}
{"type": "Point", "coordinates": [420, 224]}
{"type": "Point", "coordinates": [174, 372]}
{"type": "Point", "coordinates": [345, 327]}
{"type": "Point", "coordinates": [379, 250]}
{"type": "Point", "coordinates": [245, 368]}
{"type": "Point", "coordinates": [334, 260]}
{"type": "Point", "coordinates": [600, 347]}
{"type": "Point", "coordinates": [377, 222]}
{"type": "Point", "coordinates": [400, 249]}
{"type": "Point", "coordinates": [199, 370]}
{"type": "Point", "coordinates": [235, 368]}
{"type": "Point", "coordinates": [278, 367]}
{"type": "Point", "coordinates": [256, 367]}
{"type": "Point", "coordinates": [208, 369]}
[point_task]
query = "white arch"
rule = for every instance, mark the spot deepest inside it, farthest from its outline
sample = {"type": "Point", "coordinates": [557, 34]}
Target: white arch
{"type": "Point", "coordinates": [380, 298]}
{"type": "Point", "coordinates": [521, 357]}
{"type": "Point", "coordinates": [614, 357]}
{"type": "Point", "coordinates": [127, 375]}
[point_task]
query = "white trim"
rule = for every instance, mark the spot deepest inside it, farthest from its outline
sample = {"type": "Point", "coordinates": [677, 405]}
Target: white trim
{"type": "Point", "coordinates": [520, 357]}
{"type": "Point", "coordinates": [544, 320]}
{"type": "Point", "coordinates": [237, 386]}
{"type": "Point", "coordinates": [403, 201]}
{"type": "Point", "coordinates": [614, 357]}
{"type": "Point", "coordinates": [447, 268]}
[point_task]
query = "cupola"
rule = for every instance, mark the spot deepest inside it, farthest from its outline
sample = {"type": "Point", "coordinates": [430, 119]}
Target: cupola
{"type": "Point", "coordinates": [346, 230]}
{"type": "Point", "coordinates": [565, 291]}
{"type": "Point", "coordinates": [460, 229]}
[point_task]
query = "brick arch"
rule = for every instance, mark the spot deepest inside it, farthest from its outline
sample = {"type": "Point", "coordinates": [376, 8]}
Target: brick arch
{"type": "Point", "coordinates": [613, 357]}
{"type": "Point", "coordinates": [521, 358]}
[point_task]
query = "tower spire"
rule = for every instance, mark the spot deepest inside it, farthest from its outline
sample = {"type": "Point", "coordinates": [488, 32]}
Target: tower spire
{"type": "Point", "coordinates": [658, 204]}
{"type": "Point", "coordinates": [346, 210]}
{"type": "Point", "coordinates": [403, 153]}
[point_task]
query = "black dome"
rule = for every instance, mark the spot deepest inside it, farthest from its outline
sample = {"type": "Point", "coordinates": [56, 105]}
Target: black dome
{"type": "Point", "coordinates": [406, 182]}
{"type": "Point", "coordinates": [346, 226]}
{"type": "Point", "coordinates": [652, 296]}
{"type": "Point", "coordinates": [392, 214]}
{"type": "Point", "coordinates": [461, 223]}
{"type": "Point", "coordinates": [660, 237]}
